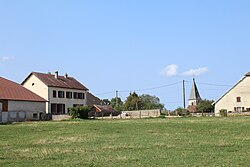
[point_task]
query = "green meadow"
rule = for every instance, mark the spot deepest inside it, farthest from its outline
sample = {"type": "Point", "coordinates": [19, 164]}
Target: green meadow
{"type": "Point", "coordinates": [141, 142]}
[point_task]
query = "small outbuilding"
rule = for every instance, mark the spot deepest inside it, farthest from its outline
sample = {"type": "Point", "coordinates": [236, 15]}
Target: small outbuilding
{"type": "Point", "coordinates": [103, 111]}
{"type": "Point", "coordinates": [19, 104]}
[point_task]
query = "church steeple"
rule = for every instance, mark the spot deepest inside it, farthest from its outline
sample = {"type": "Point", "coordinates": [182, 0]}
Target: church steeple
{"type": "Point", "coordinates": [194, 97]}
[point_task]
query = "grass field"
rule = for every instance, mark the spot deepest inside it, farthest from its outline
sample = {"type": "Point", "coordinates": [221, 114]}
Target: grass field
{"type": "Point", "coordinates": [145, 142]}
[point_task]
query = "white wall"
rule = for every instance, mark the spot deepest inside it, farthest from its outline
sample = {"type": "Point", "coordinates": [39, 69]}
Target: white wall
{"type": "Point", "coordinates": [68, 102]}
{"type": "Point", "coordinates": [26, 106]}
{"type": "Point", "coordinates": [229, 101]}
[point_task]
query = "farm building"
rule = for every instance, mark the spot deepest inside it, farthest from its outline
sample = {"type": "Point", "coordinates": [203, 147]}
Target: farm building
{"type": "Point", "coordinates": [237, 99]}
{"type": "Point", "coordinates": [103, 110]}
{"type": "Point", "coordinates": [18, 103]}
{"type": "Point", "coordinates": [61, 92]}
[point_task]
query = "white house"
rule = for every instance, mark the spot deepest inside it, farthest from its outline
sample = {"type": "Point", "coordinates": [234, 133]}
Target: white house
{"type": "Point", "coordinates": [61, 92]}
{"type": "Point", "coordinates": [18, 103]}
{"type": "Point", "coordinates": [237, 99]}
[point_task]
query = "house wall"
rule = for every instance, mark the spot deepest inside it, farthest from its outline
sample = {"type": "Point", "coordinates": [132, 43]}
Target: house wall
{"type": "Point", "coordinates": [68, 102]}
{"type": "Point", "coordinates": [229, 101]}
{"type": "Point", "coordinates": [38, 87]}
{"type": "Point", "coordinates": [23, 111]}
{"type": "Point", "coordinates": [26, 106]}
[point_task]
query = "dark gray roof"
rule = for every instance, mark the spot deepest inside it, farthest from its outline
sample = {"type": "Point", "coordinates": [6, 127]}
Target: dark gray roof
{"type": "Point", "coordinates": [194, 95]}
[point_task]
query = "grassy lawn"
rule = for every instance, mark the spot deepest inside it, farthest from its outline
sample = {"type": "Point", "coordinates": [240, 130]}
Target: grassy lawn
{"type": "Point", "coordinates": [145, 142]}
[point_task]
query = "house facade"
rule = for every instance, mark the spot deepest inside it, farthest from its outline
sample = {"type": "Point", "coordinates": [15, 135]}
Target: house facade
{"type": "Point", "coordinates": [18, 103]}
{"type": "Point", "coordinates": [237, 99]}
{"type": "Point", "coordinates": [61, 92]}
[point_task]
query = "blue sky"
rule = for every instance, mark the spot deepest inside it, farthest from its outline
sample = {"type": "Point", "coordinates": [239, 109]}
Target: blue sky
{"type": "Point", "coordinates": [129, 45]}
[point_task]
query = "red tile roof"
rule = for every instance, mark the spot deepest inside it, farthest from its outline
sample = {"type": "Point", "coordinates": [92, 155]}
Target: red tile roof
{"type": "Point", "coordinates": [13, 91]}
{"type": "Point", "coordinates": [60, 82]}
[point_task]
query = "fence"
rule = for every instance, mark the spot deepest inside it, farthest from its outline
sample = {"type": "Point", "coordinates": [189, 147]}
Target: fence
{"type": "Point", "coordinates": [135, 114]}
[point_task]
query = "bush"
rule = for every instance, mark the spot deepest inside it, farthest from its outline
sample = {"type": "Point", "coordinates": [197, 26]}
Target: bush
{"type": "Point", "coordinates": [162, 116]}
{"type": "Point", "coordinates": [223, 112]}
{"type": "Point", "coordinates": [81, 112]}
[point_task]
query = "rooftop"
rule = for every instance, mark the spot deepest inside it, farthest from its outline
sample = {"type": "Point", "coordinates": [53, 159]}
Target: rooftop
{"type": "Point", "coordinates": [10, 90]}
{"type": "Point", "coordinates": [51, 80]}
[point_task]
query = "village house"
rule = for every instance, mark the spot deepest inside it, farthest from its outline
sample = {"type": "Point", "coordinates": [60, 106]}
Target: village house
{"type": "Point", "coordinates": [18, 103]}
{"type": "Point", "coordinates": [61, 92]}
{"type": "Point", "coordinates": [237, 99]}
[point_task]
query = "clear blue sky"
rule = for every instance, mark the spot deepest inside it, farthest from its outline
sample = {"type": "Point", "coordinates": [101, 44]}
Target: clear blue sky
{"type": "Point", "coordinates": [128, 45]}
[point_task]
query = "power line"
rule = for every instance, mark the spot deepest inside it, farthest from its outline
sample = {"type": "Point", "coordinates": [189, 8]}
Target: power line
{"type": "Point", "coordinates": [210, 84]}
{"type": "Point", "coordinates": [105, 93]}
{"type": "Point", "coordinates": [153, 88]}
{"type": "Point", "coordinates": [139, 90]}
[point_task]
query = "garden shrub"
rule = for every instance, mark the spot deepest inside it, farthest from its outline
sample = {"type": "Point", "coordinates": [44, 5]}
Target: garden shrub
{"type": "Point", "coordinates": [81, 112]}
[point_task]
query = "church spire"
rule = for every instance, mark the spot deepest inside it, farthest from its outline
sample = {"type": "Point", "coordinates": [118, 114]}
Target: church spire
{"type": "Point", "coordinates": [194, 97]}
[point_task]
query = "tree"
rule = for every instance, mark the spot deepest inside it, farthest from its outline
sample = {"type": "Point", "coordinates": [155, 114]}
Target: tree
{"type": "Point", "coordinates": [106, 102]}
{"type": "Point", "coordinates": [149, 102]}
{"type": "Point", "coordinates": [143, 102]}
{"type": "Point", "coordinates": [132, 103]}
{"type": "Point", "coordinates": [205, 106]}
{"type": "Point", "coordinates": [116, 103]}
{"type": "Point", "coordinates": [181, 111]}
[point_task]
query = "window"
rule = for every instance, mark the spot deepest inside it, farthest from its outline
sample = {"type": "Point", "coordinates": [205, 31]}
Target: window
{"type": "Point", "coordinates": [57, 109]}
{"type": "Point", "coordinates": [238, 99]}
{"type": "Point", "coordinates": [54, 93]}
{"type": "Point", "coordinates": [69, 95]}
{"type": "Point", "coordinates": [61, 94]}
{"type": "Point", "coordinates": [80, 95]}
{"type": "Point", "coordinates": [75, 95]}
{"type": "Point", "coordinates": [35, 115]}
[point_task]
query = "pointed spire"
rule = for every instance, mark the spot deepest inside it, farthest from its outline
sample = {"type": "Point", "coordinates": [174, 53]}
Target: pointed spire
{"type": "Point", "coordinates": [195, 95]}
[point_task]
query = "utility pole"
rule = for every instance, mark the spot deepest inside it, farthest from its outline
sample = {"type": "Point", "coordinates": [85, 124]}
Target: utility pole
{"type": "Point", "coordinates": [184, 95]}
{"type": "Point", "coordinates": [116, 97]}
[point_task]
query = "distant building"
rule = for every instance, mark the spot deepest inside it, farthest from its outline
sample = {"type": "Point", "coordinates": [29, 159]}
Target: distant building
{"type": "Point", "coordinates": [237, 99]}
{"type": "Point", "coordinates": [194, 98]}
{"type": "Point", "coordinates": [18, 103]}
{"type": "Point", "coordinates": [61, 92]}
{"type": "Point", "coordinates": [103, 110]}
{"type": "Point", "coordinates": [93, 100]}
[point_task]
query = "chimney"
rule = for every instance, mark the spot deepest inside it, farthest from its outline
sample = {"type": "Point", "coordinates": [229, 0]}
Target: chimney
{"type": "Point", "coordinates": [56, 74]}
{"type": "Point", "coordinates": [66, 75]}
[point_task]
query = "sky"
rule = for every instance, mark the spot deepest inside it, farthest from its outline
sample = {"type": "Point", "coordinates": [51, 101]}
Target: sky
{"type": "Point", "coordinates": [147, 46]}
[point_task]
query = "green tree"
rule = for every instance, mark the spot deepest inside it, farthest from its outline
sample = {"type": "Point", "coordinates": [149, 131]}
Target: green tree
{"type": "Point", "coordinates": [181, 111]}
{"type": "Point", "coordinates": [132, 103]}
{"type": "Point", "coordinates": [149, 102]}
{"type": "Point", "coordinates": [106, 102]}
{"type": "Point", "coordinates": [205, 106]}
{"type": "Point", "coordinates": [116, 103]}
